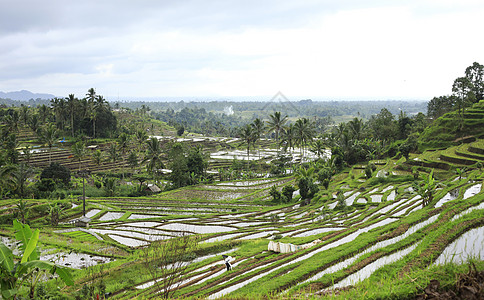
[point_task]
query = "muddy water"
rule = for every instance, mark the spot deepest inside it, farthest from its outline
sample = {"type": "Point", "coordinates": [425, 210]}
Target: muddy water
{"type": "Point", "coordinates": [222, 238]}
{"type": "Point", "coordinates": [351, 199]}
{"type": "Point", "coordinates": [109, 216]}
{"type": "Point", "coordinates": [473, 190]}
{"type": "Point", "coordinates": [371, 268]}
{"type": "Point", "coordinates": [198, 259]}
{"type": "Point", "coordinates": [196, 228]}
{"type": "Point", "coordinates": [378, 245]}
{"type": "Point", "coordinates": [258, 235]}
{"type": "Point", "coordinates": [339, 242]}
{"type": "Point", "coordinates": [128, 241]}
{"type": "Point", "coordinates": [75, 260]}
{"type": "Point", "coordinates": [452, 195]}
{"type": "Point", "coordinates": [467, 246]}
{"type": "Point", "coordinates": [316, 231]}
{"type": "Point", "coordinates": [92, 213]}
{"type": "Point", "coordinates": [141, 216]}
{"type": "Point", "coordinates": [468, 211]}
{"type": "Point", "coordinates": [376, 198]}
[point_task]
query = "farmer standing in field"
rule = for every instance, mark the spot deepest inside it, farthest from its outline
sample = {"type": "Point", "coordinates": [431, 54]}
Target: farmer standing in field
{"type": "Point", "coordinates": [227, 260]}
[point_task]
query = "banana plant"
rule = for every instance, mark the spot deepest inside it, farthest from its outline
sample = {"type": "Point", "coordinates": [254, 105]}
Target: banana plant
{"type": "Point", "coordinates": [426, 189]}
{"type": "Point", "coordinates": [26, 270]}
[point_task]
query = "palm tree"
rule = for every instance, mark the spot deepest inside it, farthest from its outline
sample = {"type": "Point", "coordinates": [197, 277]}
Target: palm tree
{"type": "Point", "coordinates": [247, 135]}
{"type": "Point", "coordinates": [91, 99]}
{"type": "Point", "coordinates": [141, 137]}
{"type": "Point", "coordinates": [34, 123]}
{"type": "Point", "coordinates": [288, 136]}
{"type": "Point", "coordinates": [49, 137]}
{"type": "Point", "coordinates": [20, 175]}
{"type": "Point", "coordinates": [355, 128]}
{"type": "Point", "coordinates": [71, 103]}
{"type": "Point", "coordinates": [79, 151]}
{"type": "Point", "coordinates": [258, 128]}
{"type": "Point", "coordinates": [276, 124]}
{"type": "Point", "coordinates": [113, 153]}
{"type": "Point", "coordinates": [318, 147]}
{"type": "Point", "coordinates": [304, 133]}
{"type": "Point", "coordinates": [123, 144]}
{"type": "Point", "coordinates": [153, 155]}
{"type": "Point", "coordinates": [97, 157]}
{"type": "Point", "coordinates": [6, 179]}
{"type": "Point", "coordinates": [44, 112]}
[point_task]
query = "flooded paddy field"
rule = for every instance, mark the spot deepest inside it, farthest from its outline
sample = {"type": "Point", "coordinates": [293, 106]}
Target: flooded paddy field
{"type": "Point", "coordinates": [376, 228]}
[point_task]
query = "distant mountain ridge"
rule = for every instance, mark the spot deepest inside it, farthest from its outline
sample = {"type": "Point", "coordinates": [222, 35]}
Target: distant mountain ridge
{"type": "Point", "coordinates": [24, 95]}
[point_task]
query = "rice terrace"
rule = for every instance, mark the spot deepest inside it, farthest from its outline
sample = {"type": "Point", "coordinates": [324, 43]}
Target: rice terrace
{"type": "Point", "coordinates": [174, 200]}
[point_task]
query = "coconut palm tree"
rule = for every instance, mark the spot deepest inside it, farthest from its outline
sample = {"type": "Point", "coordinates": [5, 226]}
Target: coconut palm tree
{"type": "Point", "coordinates": [247, 135]}
{"type": "Point", "coordinates": [318, 147]}
{"type": "Point", "coordinates": [276, 124]}
{"type": "Point", "coordinates": [113, 153]}
{"type": "Point", "coordinates": [258, 128]}
{"type": "Point", "coordinates": [97, 157]}
{"type": "Point", "coordinates": [153, 155]}
{"type": "Point", "coordinates": [71, 104]}
{"type": "Point", "coordinates": [289, 137]}
{"type": "Point", "coordinates": [304, 133]}
{"type": "Point", "coordinates": [79, 151]}
{"type": "Point", "coordinates": [355, 128]}
{"type": "Point", "coordinates": [141, 137]}
{"type": "Point", "coordinates": [49, 137]}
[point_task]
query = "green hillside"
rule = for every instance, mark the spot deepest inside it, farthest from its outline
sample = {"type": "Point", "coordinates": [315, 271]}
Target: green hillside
{"type": "Point", "coordinates": [451, 128]}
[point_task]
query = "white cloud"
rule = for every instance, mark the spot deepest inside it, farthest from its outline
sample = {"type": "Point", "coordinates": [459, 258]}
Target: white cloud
{"type": "Point", "coordinates": [406, 49]}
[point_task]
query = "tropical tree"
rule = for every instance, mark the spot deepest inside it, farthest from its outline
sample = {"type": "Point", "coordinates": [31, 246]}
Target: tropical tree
{"type": "Point", "coordinates": [22, 210]}
{"type": "Point", "coordinates": [7, 182]}
{"type": "Point", "coordinates": [79, 152]}
{"type": "Point", "coordinates": [153, 155]}
{"type": "Point", "coordinates": [247, 135]}
{"type": "Point", "coordinates": [133, 160]}
{"type": "Point", "coordinates": [304, 133]}
{"type": "Point", "coordinates": [462, 88]}
{"type": "Point", "coordinates": [49, 137]}
{"type": "Point", "coordinates": [475, 74]}
{"type": "Point", "coordinates": [20, 175]}
{"type": "Point", "coordinates": [141, 136]}
{"type": "Point", "coordinates": [91, 100]}
{"type": "Point", "coordinates": [426, 188]}
{"type": "Point", "coordinates": [29, 269]}
{"type": "Point", "coordinates": [258, 128]}
{"type": "Point", "coordinates": [305, 178]}
{"type": "Point", "coordinates": [113, 153]}
{"type": "Point", "coordinates": [97, 157]}
{"type": "Point", "coordinates": [71, 104]}
{"type": "Point", "coordinates": [34, 123]}
{"type": "Point", "coordinates": [318, 147]}
{"type": "Point", "coordinates": [355, 128]}
{"type": "Point", "coordinates": [289, 137]}
{"type": "Point", "coordinates": [276, 124]}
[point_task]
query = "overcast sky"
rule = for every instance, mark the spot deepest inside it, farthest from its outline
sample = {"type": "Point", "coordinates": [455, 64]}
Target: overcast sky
{"type": "Point", "coordinates": [353, 49]}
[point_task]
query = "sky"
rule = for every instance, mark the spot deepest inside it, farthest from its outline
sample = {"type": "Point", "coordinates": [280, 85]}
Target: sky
{"type": "Point", "coordinates": [318, 49]}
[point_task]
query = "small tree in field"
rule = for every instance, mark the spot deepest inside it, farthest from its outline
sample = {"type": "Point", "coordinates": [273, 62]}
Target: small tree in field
{"type": "Point", "coordinates": [167, 262]}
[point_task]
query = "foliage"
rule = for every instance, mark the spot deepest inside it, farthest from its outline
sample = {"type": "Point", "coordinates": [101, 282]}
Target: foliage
{"type": "Point", "coordinates": [169, 260]}
{"type": "Point", "coordinates": [426, 188]}
{"type": "Point", "coordinates": [59, 174]}
{"type": "Point", "coordinates": [14, 274]}
{"type": "Point", "coordinates": [280, 164]}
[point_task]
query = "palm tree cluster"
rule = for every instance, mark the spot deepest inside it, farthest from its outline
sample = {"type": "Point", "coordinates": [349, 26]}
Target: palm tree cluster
{"type": "Point", "coordinates": [301, 133]}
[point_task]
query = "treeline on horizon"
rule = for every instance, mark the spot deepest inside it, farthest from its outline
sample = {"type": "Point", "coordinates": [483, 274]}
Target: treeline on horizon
{"type": "Point", "coordinates": [307, 107]}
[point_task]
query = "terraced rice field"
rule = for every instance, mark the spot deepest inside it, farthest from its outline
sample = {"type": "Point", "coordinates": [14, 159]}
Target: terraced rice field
{"type": "Point", "coordinates": [390, 228]}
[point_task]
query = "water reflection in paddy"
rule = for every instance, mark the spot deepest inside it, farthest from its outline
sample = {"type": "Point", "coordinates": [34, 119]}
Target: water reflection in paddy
{"type": "Point", "coordinates": [467, 246]}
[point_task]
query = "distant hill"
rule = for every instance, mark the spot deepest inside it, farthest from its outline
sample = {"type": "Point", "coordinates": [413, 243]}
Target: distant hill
{"type": "Point", "coordinates": [24, 95]}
